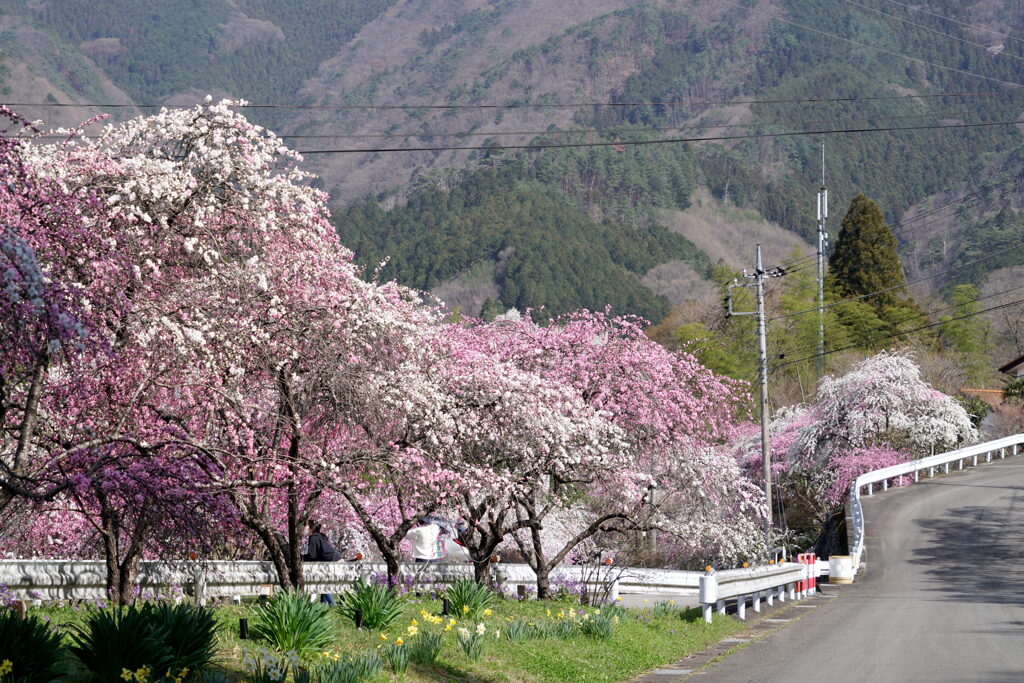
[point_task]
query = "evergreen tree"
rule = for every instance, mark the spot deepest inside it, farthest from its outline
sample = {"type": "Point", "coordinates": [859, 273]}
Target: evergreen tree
{"type": "Point", "coordinates": [866, 261]}
{"type": "Point", "coordinates": [866, 258]}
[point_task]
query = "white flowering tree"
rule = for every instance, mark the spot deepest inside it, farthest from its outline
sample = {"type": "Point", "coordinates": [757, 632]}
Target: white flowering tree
{"type": "Point", "coordinates": [879, 413]}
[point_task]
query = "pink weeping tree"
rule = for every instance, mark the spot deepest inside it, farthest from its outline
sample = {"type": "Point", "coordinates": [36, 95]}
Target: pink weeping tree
{"type": "Point", "coordinates": [666, 408]}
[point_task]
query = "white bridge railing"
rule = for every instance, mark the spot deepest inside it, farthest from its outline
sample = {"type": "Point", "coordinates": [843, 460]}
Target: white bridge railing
{"type": "Point", "coordinates": [988, 451]}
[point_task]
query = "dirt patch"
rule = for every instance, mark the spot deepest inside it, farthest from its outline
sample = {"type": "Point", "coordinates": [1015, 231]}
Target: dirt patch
{"type": "Point", "coordinates": [729, 235]}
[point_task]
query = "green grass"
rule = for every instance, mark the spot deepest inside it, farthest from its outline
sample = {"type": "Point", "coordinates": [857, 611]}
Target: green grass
{"type": "Point", "coordinates": [642, 640]}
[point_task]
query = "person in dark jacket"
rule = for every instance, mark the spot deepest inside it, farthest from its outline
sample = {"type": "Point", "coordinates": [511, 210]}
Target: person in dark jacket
{"type": "Point", "coordinates": [320, 549]}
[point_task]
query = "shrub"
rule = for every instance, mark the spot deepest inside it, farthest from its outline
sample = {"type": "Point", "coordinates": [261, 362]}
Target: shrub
{"type": "Point", "coordinates": [29, 649]}
{"type": "Point", "coordinates": [381, 606]}
{"type": "Point", "coordinates": [291, 623]}
{"type": "Point", "coordinates": [360, 668]}
{"type": "Point", "coordinates": [469, 599]}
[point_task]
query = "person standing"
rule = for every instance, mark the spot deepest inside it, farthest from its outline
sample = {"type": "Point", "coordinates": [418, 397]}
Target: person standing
{"type": "Point", "coordinates": [424, 541]}
{"type": "Point", "coordinates": [320, 549]}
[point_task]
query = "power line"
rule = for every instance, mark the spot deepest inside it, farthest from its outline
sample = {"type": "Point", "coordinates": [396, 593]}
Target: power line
{"type": "Point", "coordinates": [797, 264]}
{"type": "Point", "coordinates": [873, 47]}
{"type": "Point", "coordinates": [660, 141]}
{"type": "Point", "coordinates": [900, 334]}
{"type": "Point", "coordinates": [526, 105]}
{"type": "Point", "coordinates": [930, 29]}
{"type": "Point", "coordinates": [948, 204]}
{"type": "Point", "coordinates": [895, 287]}
{"type": "Point", "coordinates": [556, 131]}
{"type": "Point", "coordinates": [929, 314]}
{"type": "Point", "coordinates": [955, 21]}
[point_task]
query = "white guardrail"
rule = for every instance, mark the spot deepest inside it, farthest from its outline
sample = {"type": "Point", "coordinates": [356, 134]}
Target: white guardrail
{"type": "Point", "coordinates": [86, 579]}
{"type": "Point", "coordinates": [770, 582]}
{"type": "Point", "coordinates": [989, 451]}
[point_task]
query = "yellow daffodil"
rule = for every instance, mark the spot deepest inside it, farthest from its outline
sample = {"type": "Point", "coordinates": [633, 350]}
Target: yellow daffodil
{"type": "Point", "coordinates": [465, 609]}
{"type": "Point", "coordinates": [414, 623]}
{"type": "Point", "coordinates": [399, 641]}
{"type": "Point", "coordinates": [7, 666]}
{"type": "Point", "coordinates": [412, 630]}
{"type": "Point", "coordinates": [383, 636]}
{"type": "Point", "coordinates": [487, 612]}
{"type": "Point", "coordinates": [125, 673]}
{"type": "Point", "coordinates": [597, 611]}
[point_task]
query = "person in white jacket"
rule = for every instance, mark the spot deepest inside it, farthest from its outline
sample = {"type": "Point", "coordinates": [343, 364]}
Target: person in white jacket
{"type": "Point", "coordinates": [424, 541]}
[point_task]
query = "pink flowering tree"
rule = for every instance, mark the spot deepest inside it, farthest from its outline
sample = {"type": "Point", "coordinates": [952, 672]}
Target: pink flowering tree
{"type": "Point", "coordinates": [668, 409]}
{"type": "Point", "coordinates": [243, 336]}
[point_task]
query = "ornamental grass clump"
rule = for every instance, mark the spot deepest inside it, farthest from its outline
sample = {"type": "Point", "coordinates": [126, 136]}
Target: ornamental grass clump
{"type": "Point", "coordinates": [144, 639]}
{"type": "Point", "coordinates": [425, 647]}
{"type": "Point", "coordinates": [381, 606]}
{"type": "Point", "coordinates": [291, 623]}
{"type": "Point", "coordinates": [665, 609]}
{"type": "Point", "coordinates": [30, 650]}
{"type": "Point", "coordinates": [398, 655]}
{"type": "Point", "coordinates": [363, 667]}
{"type": "Point", "coordinates": [597, 625]}
{"type": "Point", "coordinates": [472, 642]}
{"type": "Point", "coordinates": [518, 631]}
{"type": "Point", "coordinates": [469, 599]}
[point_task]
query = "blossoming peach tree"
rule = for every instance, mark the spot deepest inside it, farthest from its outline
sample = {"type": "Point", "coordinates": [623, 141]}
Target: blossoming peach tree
{"type": "Point", "coordinates": [880, 413]}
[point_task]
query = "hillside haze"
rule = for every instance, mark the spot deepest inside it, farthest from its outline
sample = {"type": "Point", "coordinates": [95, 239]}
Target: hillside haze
{"type": "Point", "coordinates": [487, 226]}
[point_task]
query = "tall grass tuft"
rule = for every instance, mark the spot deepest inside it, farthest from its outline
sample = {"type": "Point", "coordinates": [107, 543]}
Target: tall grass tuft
{"type": "Point", "coordinates": [291, 623]}
{"type": "Point", "coordinates": [380, 605]}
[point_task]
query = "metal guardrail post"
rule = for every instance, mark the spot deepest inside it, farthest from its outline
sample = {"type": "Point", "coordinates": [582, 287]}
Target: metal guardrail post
{"type": "Point", "coordinates": [708, 592]}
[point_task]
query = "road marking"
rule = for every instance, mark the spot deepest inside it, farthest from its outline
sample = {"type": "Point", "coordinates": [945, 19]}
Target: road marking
{"type": "Point", "coordinates": [671, 672]}
{"type": "Point", "coordinates": [778, 621]}
{"type": "Point", "coordinates": [734, 640]}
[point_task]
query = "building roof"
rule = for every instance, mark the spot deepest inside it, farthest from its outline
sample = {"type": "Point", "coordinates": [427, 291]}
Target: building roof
{"type": "Point", "coordinates": [1012, 365]}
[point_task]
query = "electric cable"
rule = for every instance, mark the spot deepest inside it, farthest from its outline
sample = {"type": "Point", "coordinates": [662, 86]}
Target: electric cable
{"type": "Point", "coordinates": [608, 130]}
{"type": "Point", "coordinates": [528, 105]}
{"type": "Point", "coordinates": [899, 334]}
{"type": "Point", "coordinates": [659, 141]}
{"type": "Point", "coordinates": [895, 287]}
{"type": "Point", "coordinates": [930, 29]}
{"type": "Point", "coordinates": [929, 314]}
{"type": "Point", "coordinates": [874, 47]}
{"type": "Point", "coordinates": [955, 21]}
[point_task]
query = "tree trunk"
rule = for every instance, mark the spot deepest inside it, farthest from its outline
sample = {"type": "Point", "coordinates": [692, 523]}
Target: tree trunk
{"type": "Point", "coordinates": [543, 581]}
{"type": "Point", "coordinates": [391, 560]}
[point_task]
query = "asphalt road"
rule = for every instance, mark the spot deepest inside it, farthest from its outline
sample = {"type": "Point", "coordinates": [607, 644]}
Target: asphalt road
{"type": "Point", "coordinates": [942, 597]}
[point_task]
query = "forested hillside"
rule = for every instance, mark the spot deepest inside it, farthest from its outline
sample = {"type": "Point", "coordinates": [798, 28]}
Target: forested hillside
{"type": "Point", "coordinates": [501, 202]}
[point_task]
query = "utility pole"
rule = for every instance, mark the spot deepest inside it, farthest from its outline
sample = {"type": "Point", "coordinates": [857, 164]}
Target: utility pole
{"type": "Point", "coordinates": [758, 277]}
{"type": "Point", "coordinates": [822, 243]}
